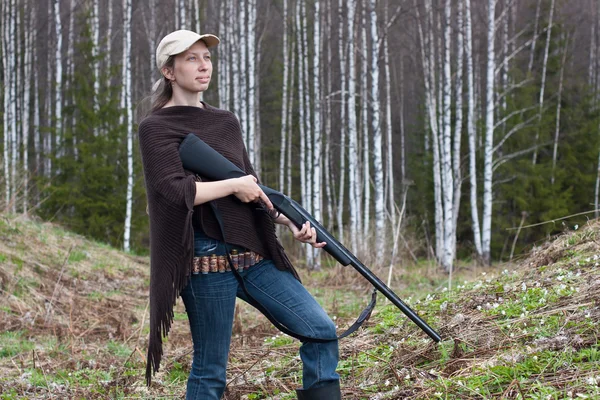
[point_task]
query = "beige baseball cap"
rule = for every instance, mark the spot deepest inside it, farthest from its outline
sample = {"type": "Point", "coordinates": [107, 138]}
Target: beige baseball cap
{"type": "Point", "coordinates": [178, 42]}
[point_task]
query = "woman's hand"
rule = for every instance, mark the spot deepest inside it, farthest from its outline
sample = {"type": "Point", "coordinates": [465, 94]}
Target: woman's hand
{"type": "Point", "coordinates": [247, 190]}
{"type": "Point", "coordinates": [307, 234]}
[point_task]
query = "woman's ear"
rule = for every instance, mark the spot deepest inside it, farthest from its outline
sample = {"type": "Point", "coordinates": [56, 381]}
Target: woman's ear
{"type": "Point", "coordinates": [167, 73]}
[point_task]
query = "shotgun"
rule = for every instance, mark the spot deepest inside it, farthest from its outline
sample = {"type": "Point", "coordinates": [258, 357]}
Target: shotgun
{"type": "Point", "coordinates": [200, 158]}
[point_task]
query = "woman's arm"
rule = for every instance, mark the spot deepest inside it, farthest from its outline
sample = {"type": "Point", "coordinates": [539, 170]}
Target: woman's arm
{"type": "Point", "coordinates": [305, 235]}
{"type": "Point", "coordinates": [244, 188]}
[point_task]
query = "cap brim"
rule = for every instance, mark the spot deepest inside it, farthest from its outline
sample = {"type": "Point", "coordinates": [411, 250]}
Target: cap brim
{"type": "Point", "coordinates": [210, 40]}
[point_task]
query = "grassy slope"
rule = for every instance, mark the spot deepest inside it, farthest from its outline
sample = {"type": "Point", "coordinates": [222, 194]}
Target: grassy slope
{"type": "Point", "coordinates": [73, 325]}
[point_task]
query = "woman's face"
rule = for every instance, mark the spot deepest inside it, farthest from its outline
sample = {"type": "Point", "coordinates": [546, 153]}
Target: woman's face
{"type": "Point", "coordinates": [192, 69]}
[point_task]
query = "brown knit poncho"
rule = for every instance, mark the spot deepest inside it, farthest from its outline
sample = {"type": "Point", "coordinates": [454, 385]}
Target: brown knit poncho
{"type": "Point", "coordinates": [171, 191]}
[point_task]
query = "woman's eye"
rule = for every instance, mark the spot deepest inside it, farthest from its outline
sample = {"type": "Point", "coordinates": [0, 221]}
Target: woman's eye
{"type": "Point", "coordinates": [192, 58]}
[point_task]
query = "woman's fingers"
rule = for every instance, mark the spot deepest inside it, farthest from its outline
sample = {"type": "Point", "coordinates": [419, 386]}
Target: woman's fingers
{"type": "Point", "coordinates": [262, 196]}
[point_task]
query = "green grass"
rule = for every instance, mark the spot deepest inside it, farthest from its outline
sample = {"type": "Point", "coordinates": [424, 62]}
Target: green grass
{"type": "Point", "coordinates": [14, 343]}
{"type": "Point", "coordinates": [77, 255]}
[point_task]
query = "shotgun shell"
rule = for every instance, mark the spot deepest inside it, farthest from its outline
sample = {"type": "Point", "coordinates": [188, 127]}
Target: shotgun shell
{"type": "Point", "coordinates": [204, 265]}
{"type": "Point", "coordinates": [196, 266]}
{"type": "Point", "coordinates": [234, 258]}
{"type": "Point", "coordinates": [213, 263]}
{"type": "Point", "coordinates": [222, 261]}
{"type": "Point", "coordinates": [248, 259]}
{"type": "Point", "coordinates": [241, 261]}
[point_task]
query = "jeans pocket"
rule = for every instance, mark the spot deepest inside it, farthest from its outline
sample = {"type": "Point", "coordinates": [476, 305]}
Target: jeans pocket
{"type": "Point", "coordinates": [205, 247]}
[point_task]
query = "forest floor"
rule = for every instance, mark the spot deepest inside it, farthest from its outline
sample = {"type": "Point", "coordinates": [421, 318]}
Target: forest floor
{"type": "Point", "coordinates": [74, 324]}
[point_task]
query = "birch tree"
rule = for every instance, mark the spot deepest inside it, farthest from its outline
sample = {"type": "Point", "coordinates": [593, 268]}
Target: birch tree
{"type": "Point", "coordinates": [6, 114]}
{"type": "Point", "coordinates": [353, 183]}
{"type": "Point", "coordinates": [365, 202]}
{"type": "Point", "coordinates": [380, 232]}
{"type": "Point", "coordinates": [543, 84]}
{"type": "Point", "coordinates": [95, 25]}
{"type": "Point", "coordinates": [471, 130]}
{"type": "Point", "coordinates": [126, 95]}
{"type": "Point", "coordinates": [388, 124]}
{"type": "Point", "coordinates": [558, 108]}
{"type": "Point", "coordinates": [317, 160]}
{"type": "Point", "coordinates": [27, 68]}
{"type": "Point", "coordinates": [489, 135]}
{"type": "Point", "coordinates": [252, 84]}
{"type": "Point", "coordinates": [284, 101]}
{"type": "Point", "coordinates": [342, 144]}
{"type": "Point", "coordinates": [58, 79]}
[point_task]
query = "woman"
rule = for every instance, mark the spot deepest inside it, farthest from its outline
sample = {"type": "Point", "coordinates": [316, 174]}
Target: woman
{"type": "Point", "coordinates": [186, 243]}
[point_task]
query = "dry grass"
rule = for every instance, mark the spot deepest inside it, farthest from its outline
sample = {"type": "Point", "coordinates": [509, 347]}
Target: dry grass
{"type": "Point", "coordinates": [71, 306]}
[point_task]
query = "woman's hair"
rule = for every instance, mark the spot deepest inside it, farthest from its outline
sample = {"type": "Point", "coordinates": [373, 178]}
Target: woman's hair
{"type": "Point", "coordinates": [164, 91]}
{"type": "Point", "coordinates": [161, 94]}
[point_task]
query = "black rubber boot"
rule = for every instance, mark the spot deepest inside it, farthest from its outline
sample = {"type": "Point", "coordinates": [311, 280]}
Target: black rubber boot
{"type": "Point", "coordinates": [328, 392]}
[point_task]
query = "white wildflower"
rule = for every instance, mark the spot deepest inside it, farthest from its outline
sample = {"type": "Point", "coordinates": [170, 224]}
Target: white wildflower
{"type": "Point", "coordinates": [591, 380]}
{"type": "Point", "coordinates": [444, 306]}
{"type": "Point", "coordinates": [523, 287]}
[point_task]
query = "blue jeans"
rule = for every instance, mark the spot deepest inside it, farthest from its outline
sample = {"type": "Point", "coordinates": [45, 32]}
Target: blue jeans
{"type": "Point", "coordinates": [210, 304]}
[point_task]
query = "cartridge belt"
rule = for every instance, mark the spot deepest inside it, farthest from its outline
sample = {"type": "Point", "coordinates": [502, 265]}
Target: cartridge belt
{"type": "Point", "coordinates": [215, 263]}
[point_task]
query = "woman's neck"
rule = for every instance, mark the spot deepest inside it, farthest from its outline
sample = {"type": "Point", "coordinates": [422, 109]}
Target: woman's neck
{"type": "Point", "coordinates": [185, 99]}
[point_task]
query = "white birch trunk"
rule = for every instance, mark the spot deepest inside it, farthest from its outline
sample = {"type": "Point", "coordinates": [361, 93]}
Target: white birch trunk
{"type": "Point", "coordinates": [7, 56]}
{"type": "Point", "coordinates": [58, 79]}
{"type": "Point", "coordinates": [535, 35]}
{"type": "Point", "coordinates": [456, 151]}
{"type": "Point", "coordinates": [471, 130]}
{"type": "Point", "coordinates": [197, 10]}
{"type": "Point", "coordinates": [235, 47]}
{"type": "Point", "coordinates": [447, 258]}
{"type": "Point", "coordinates": [224, 57]}
{"type": "Point", "coordinates": [243, 76]}
{"type": "Point", "coordinates": [380, 226]}
{"type": "Point", "coordinates": [284, 101]}
{"type": "Point", "coordinates": [13, 105]}
{"type": "Point", "coordinates": [95, 25]}
{"type": "Point", "coordinates": [364, 125]}
{"type": "Point", "coordinates": [543, 84]}
{"type": "Point", "coordinates": [27, 68]}
{"type": "Point", "coordinates": [71, 71]}
{"type": "Point", "coordinates": [301, 106]}
{"type": "Point", "coordinates": [388, 126]}
{"type": "Point", "coordinates": [328, 124]}
{"type": "Point", "coordinates": [289, 117]}
{"type": "Point", "coordinates": [592, 64]}
{"type": "Point", "coordinates": [352, 132]}
{"type": "Point", "coordinates": [109, 35]}
{"type": "Point", "coordinates": [182, 17]}
{"type": "Point", "coordinates": [308, 118]}
{"type": "Point", "coordinates": [558, 109]}
{"type": "Point", "coordinates": [317, 160]}
{"type": "Point", "coordinates": [253, 59]}
{"type": "Point", "coordinates": [127, 91]}
{"type": "Point", "coordinates": [37, 140]}
{"type": "Point", "coordinates": [428, 61]}
{"type": "Point", "coordinates": [489, 136]}
{"type": "Point", "coordinates": [342, 176]}
{"type": "Point", "coordinates": [151, 30]}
